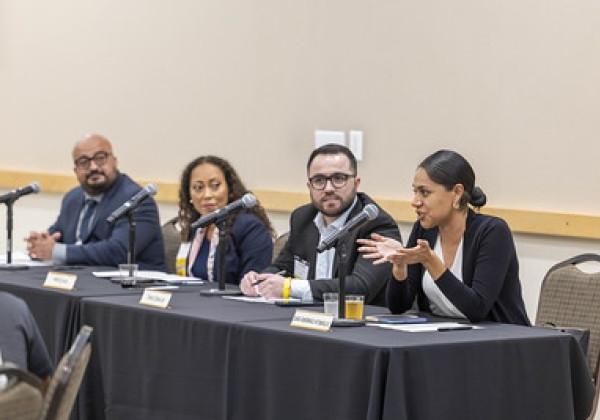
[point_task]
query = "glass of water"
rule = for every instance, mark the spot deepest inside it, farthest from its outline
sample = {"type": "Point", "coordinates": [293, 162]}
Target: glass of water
{"type": "Point", "coordinates": [330, 304]}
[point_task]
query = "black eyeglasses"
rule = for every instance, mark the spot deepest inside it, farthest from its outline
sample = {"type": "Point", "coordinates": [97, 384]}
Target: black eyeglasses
{"type": "Point", "coordinates": [99, 159]}
{"type": "Point", "coordinates": [338, 180]}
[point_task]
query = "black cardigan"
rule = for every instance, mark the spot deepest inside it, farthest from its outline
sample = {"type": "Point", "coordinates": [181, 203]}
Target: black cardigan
{"type": "Point", "coordinates": [490, 290]}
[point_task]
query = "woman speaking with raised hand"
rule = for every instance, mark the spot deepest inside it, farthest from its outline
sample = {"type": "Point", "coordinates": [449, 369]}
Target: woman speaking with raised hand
{"type": "Point", "coordinates": [458, 263]}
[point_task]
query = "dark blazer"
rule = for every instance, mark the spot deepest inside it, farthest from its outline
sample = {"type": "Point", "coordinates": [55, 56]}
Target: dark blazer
{"type": "Point", "coordinates": [364, 278]}
{"type": "Point", "coordinates": [250, 248]}
{"type": "Point", "coordinates": [490, 290]}
{"type": "Point", "coordinates": [107, 244]}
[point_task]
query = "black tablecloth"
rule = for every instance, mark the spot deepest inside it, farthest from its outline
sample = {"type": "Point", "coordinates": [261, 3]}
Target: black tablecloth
{"type": "Point", "coordinates": [207, 358]}
{"type": "Point", "coordinates": [57, 311]}
{"type": "Point", "coordinates": [497, 373]}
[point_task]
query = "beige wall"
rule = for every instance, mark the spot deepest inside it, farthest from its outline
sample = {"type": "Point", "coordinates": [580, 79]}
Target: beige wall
{"type": "Point", "coordinates": [511, 84]}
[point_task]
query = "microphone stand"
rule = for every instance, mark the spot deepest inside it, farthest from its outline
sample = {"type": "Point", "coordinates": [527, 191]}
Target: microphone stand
{"type": "Point", "coordinates": [221, 250]}
{"type": "Point", "coordinates": [342, 256]}
{"type": "Point", "coordinates": [131, 280]}
{"type": "Point", "coordinates": [131, 247]}
{"type": "Point", "coordinates": [9, 266]}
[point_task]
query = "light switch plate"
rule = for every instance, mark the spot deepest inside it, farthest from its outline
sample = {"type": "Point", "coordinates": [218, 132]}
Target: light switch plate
{"type": "Point", "coordinates": [323, 137]}
{"type": "Point", "coordinates": [356, 143]}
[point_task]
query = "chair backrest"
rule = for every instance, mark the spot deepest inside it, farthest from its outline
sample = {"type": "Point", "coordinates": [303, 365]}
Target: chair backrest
{"type": "Point", "coordinates": [279, 244]}
{"type": "Point", "coordinates": [172, 240]}
{"type": "Point", "coordinates": [65, 382]}
{"type": "Point", "coordinates": [571, 298]}
{"type": "Point", "coordinates": [21, 399]}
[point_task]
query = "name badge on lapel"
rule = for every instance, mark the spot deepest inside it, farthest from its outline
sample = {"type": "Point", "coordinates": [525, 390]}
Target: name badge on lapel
{"type": "Point", "coordinates": [181, 259]}
{"type": "Point", "coordinates": [301, 268]}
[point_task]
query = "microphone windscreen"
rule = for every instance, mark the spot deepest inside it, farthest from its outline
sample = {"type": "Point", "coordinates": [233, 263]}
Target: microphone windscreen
{"type": "Point", "coordinates": [35, 187]}
{"type": "Point", "coordinates": [151, 188]}
{"type": "Point", "coordinates": [372, 211]}
{"type": "Point", "coordinates": [248, 200]}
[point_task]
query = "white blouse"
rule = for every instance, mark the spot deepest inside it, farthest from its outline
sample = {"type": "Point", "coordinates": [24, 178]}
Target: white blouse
{"type": "Point", "coordinates": [438, 302]}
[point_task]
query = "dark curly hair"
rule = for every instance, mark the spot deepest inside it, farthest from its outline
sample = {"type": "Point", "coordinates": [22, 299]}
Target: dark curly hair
{"type": "Point", "coordinates": [188, 214]}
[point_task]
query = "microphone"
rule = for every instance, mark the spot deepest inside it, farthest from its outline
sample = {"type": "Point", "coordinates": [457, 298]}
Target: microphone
{"type": "Point", "coordinates": [132, 203]}
{"type": "Point", "coordinates": [34, 187]}
{"type": "Point", "coordinates": [369, 212]}
{"type": "Point", "coordinates": [246, 202]}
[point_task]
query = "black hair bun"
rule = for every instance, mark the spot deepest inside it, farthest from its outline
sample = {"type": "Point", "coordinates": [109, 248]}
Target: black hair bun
{"type": "Point", "coordinates": [478, 197]}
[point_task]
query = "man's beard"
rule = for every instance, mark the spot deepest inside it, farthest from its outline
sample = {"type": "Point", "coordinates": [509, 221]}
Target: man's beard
{"type": "Point", "coordinates": [97, 188]}
{"type": "Point", "coordinates": [336, 213]}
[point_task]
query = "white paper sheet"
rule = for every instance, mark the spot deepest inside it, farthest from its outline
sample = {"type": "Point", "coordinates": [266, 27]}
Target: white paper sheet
{"type": "Point", "coordinates": [19, 257]}
{"type": "Point", "coordinates": [428, 327]}
{"type": "Point", "coordinates": [153, 275]}
{"type": "Point", "coordinates": [259, 299]}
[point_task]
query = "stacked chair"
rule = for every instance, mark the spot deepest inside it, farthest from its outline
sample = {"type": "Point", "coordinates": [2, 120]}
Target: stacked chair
{"type": "Point", "coordinates": [570, 299]}
{"type": "Point", "coordinates": [24, 398]}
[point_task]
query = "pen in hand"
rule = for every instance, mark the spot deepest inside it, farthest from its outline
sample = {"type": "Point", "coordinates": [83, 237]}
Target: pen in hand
{"type": "Point", "coordinates": [279, 273]}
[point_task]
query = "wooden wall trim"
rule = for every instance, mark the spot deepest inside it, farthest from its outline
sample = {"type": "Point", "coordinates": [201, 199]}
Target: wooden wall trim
{"type": "Point", "coordinates": [522, 221]}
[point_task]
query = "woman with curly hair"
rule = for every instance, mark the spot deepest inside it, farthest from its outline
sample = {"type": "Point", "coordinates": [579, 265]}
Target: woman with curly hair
{"type": "Point", "coordinates": [209, 183]}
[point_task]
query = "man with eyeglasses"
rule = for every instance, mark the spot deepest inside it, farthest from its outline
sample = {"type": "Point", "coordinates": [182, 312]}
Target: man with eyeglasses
{"type": "Point", "coordinates": [81, 234]}
{"type": "Point", "coordinates": [299, 271]}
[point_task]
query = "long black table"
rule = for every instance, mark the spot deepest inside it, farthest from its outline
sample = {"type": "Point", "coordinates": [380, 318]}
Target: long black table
{"type": "Point", "coordinates": [57, 311]}
{"type": "Point", "coordinates": [208, 358]}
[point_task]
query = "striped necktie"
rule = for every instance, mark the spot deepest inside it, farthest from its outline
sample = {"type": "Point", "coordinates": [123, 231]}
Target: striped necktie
{"type": "Point", "coordinates": [87, 219]}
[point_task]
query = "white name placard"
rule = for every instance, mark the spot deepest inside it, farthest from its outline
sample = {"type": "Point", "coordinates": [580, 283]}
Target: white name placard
{"type": "Point", "coordinates": [156, 298]}
{"type": "Point", "coordinates": [56, 280]}
{"type": "Point", "coordinates": [311, 320]}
